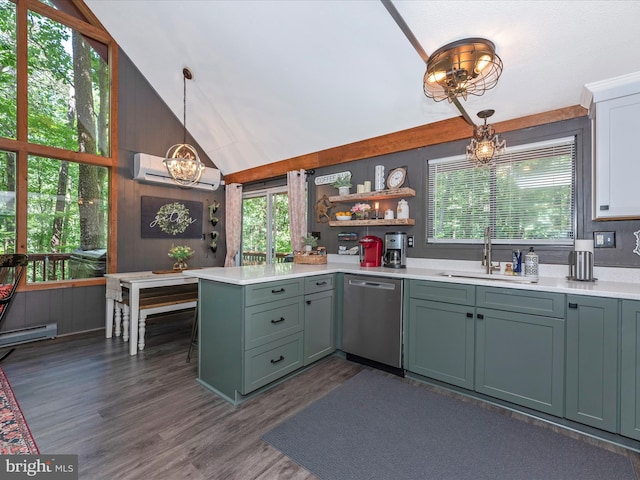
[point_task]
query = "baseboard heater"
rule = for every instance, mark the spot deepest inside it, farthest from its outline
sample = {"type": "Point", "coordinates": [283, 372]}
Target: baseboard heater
{"type": "Point", "coordinates": [29, 334]}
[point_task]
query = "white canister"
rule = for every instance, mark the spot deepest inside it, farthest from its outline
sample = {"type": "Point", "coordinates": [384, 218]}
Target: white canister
{"type": "Point", "coordinates": [388, 214]}
{"type": "Point", "coordinates": [367, 186]}
{"type": "Point", "coordinates": [403, 209]}
{"type": "Point", "coordinates": [379, 178]}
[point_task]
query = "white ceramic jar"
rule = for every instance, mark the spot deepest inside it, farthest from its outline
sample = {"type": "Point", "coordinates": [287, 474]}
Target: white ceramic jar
{"type": "Point", "coordinates": [403, 209]}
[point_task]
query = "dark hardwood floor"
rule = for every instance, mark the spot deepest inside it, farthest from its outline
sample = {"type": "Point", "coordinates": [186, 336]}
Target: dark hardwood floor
{"type": "Point", "coordinates": [146, 417]}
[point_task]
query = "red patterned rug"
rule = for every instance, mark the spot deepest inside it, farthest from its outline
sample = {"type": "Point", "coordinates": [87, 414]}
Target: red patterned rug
{"type": "Point", "coordinates": [15, 436]}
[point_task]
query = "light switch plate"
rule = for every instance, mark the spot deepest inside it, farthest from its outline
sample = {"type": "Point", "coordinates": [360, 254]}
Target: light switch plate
{"type": "Point", "coordinates": [604, 239]}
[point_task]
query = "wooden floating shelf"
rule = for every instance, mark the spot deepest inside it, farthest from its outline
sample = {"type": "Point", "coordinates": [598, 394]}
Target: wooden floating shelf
{"type": "Point", "coordinates": [371, 223]}
{"type": "Point", "coordinates": [378, 195]}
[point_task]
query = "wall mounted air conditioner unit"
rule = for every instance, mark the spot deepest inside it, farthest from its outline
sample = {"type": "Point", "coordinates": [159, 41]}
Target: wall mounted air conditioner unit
{"type": "Point", "coordinates": [149, 168]}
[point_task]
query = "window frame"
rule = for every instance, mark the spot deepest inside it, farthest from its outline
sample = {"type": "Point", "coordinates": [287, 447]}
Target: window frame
{"type": "Point", "coordinates": [532, 147]}
{"type": "Point", "coordinates": [269, 193]}
{"type": "Point", "coordinates": [23, 148]}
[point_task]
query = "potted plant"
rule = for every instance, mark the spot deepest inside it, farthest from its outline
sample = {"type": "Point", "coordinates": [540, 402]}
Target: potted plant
{"type": "Point", "coordinates": [361, 210]}
{"type": "Point", "coordinates": [180, 254]}
{"type": "Point", "coordinates": [309, 242]}
{"type": "Point", "coordinates": [342, 183]}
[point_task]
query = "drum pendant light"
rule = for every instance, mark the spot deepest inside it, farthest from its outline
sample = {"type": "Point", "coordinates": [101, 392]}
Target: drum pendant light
{"type": "Point", "coordinates": [464, 67]}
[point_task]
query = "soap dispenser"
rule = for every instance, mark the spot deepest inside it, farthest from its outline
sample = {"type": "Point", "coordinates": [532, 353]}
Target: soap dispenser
{"type": "Point", "coordinates": [531, 264]}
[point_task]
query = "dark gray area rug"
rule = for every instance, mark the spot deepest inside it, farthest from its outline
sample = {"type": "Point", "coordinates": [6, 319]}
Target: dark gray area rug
{"type": "Point", "coordinates": [375, 427]}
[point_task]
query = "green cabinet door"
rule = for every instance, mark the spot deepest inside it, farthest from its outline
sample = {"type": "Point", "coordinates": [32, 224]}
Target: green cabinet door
{"type": "Point", "coordinates": [630, 370]}
{"type": "Point", "coordinates": [319, 326]}
{"type": "Point", "coordinates": [440, 341]}
{"type": "Point", "coordinates": [592, 359]}
{"type": "Point", "coordinates": [520, 358]}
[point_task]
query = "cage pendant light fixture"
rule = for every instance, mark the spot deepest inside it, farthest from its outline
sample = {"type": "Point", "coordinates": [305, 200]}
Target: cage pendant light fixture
{"type": "Point", "coordinates": [182, 160]}
{"type": "Point", "coordinates": [461, 68]}
{"type": "Point", "coordinates": [485, 144]}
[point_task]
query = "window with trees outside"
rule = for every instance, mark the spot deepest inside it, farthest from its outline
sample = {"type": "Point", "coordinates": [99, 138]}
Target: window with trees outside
{"type": "Point", "coordinates": [265, 226]}
{"type": "Point", "coordinates": [56, 139]}
{"type": "Point", "coordinates": [526, 194]}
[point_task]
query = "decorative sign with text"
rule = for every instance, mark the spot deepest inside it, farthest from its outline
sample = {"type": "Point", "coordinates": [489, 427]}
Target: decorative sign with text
{"type": "Point", "coordinates": [165, 218]}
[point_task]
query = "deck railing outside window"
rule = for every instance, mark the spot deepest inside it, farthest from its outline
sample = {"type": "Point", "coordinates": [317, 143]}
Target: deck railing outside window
{"type": "Point", "coordinates": [260, 258]}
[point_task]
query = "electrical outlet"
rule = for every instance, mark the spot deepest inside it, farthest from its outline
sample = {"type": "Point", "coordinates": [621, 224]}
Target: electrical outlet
{"type": "Point", "coordinates": [604, 239]}
{"type": "Point", "coordinates": [410, 241]}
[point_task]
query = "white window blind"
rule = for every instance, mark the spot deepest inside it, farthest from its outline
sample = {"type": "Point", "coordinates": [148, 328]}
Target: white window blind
{"type": "Point", "coordinates": [525, 194]}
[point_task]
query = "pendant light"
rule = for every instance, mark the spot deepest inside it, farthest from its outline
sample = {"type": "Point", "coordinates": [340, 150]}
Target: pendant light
{"type": "Point", "coordinates": [182, 160]}
{"type": "Point", "coordinates": [464, 67]}
{"type": "Point", "coordinates": [485, 144]}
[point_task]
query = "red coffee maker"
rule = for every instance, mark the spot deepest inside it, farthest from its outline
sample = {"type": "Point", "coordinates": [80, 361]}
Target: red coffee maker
{"type": "Point", "coordinates": [370, 251]}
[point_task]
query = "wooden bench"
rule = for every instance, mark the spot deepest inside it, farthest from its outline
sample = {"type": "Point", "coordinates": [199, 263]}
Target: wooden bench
{"type": "Point", "coordinates": [153, 301]}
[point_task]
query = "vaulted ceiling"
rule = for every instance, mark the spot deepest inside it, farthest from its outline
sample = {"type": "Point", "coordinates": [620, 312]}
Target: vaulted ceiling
{"type": "Point", "coordinates": [279, 79]}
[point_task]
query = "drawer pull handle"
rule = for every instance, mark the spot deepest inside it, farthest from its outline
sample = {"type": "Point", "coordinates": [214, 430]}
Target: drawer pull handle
{"type": "Point", "coordinates": [308, 302]}
{"type": "Point", "coordinates": [573, 305]}
{"type": "Point", "coordinates": [278, 360]}
{"type": "Point", "coordinates": [275, 292]}
{"type": "Point", "coordinates": [480, 316]}
{"type": "Point", "coordinates": [278, 321]}
{"type": "Point", "coordinates": [469, 315]}
{"type": "Point", "coordinates": [319, 284]}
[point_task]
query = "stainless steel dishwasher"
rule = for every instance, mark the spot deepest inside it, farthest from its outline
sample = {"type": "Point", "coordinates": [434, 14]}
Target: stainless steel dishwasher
{"type": "Point", "coordinates": [372, 319]}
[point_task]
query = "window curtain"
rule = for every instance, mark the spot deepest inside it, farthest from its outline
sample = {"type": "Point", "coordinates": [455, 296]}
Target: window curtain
{"type": "Point", "coordinates": [297, 191]}
{"type": "Point", "coordinates": [233, 221]}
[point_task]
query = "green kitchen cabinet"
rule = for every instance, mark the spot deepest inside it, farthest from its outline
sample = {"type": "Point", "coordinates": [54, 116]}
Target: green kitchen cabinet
{"type": "Point", "coordinates": [440, 331]}
{"type": "Point", "coordinates": [249, 336]}
{"type": "Point", "coordinates": [520, 356]}
{"type": "Point", "coordinates": [319, 318]}
{"type": "Point", "coordinates": [502, 342]}
{"type": "Point", "coordinates": [592, 361]}
{"type": "Point", "coordinates": [253, 335]}
{"type": "Point", "coordinates": [630, 370]}
{"type": "Point", "coordinates": [440, 341]}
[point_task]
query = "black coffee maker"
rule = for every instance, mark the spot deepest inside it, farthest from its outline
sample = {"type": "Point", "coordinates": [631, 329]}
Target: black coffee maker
{"type": "Point", "coordinates": [395, 250]}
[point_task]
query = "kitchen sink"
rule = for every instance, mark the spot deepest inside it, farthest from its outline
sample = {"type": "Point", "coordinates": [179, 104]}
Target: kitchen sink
{"type": "Point", "coordinates": [498, 277]}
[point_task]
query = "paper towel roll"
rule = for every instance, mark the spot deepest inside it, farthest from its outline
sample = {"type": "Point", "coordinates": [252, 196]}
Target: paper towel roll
{"type": "Point", "coordinates": [583, 246]}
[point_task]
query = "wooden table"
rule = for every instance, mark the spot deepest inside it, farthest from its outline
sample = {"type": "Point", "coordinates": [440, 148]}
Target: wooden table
{"type": "Point", "coordinates": [134, 282]}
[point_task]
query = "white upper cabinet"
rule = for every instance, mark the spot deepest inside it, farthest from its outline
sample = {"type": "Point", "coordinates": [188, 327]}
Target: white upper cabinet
{"type": "Point", "coordinates": [614, 109]}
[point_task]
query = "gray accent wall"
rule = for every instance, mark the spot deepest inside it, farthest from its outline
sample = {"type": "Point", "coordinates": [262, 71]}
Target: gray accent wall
{"type": "Point", "coordinates": [416, 162]}
{"type": "Point", "coordinates": [146, 125]}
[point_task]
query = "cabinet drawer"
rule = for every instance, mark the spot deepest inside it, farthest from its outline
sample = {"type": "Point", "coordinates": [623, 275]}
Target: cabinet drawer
{"type": "Point", "coordinates": [318, 283]}
{"type": "Point", "coordinates": [522, 301]}
{"type": "Point", "coordinates": [442, 292]}
{"type": "Point", "coordinates": [272, 291]}
{"type": "Point", "coordinates": [271, 321]}
{"type": "Point", "coordinates": [264, 364]}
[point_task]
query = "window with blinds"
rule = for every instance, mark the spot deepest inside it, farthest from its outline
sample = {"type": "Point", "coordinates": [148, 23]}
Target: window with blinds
{"type": "Point", "coordinates": [526, 194]}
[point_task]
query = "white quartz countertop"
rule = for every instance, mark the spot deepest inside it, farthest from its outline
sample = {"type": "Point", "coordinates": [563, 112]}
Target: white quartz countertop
{"type": "Point", "coordinates": [249, 275]}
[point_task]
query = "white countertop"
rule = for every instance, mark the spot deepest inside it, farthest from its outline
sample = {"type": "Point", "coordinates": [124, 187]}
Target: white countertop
{"type": "Point", "coordinates": [553, 281]}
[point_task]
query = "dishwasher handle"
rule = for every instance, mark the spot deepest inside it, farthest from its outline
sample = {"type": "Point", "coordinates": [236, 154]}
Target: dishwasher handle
{"type": "Point", "coordinates": [370, 284]}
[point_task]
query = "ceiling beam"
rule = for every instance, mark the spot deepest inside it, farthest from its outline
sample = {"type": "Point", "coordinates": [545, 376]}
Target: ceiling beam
{"type": "Point", "coordinates": [423, 136]}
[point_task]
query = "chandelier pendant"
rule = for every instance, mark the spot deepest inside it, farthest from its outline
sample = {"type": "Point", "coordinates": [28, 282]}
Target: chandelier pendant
{"type": "Point", "coordinates": [485, 144]}
{"type": "Point", "coordinates": [182, 160]}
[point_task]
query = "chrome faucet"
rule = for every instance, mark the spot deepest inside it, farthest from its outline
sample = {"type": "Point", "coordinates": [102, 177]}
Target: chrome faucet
{"type": "Point", "coordinates": [486, 253]}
